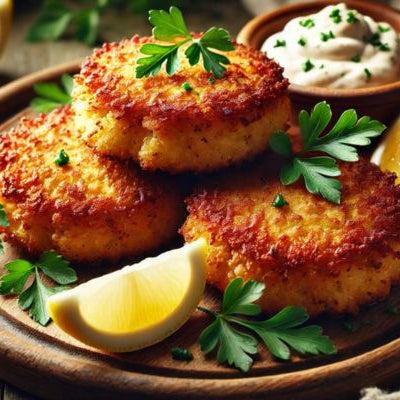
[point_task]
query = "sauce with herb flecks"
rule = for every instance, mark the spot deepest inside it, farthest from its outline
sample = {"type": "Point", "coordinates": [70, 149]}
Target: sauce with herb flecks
{"type": "Point", "coordinates": [337, 48]}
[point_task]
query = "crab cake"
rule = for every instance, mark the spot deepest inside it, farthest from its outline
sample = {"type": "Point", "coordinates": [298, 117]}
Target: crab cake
{"type": "Point", "coordinates": [310, 253]}
{"type": "Point", "coordinates": [90, 209]}
{"type": "Point", "coordinates": [160, 125]}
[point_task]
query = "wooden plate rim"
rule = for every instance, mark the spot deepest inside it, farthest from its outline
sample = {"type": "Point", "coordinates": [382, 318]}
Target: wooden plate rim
{"type": "Point", "coordinates": [13, 361]}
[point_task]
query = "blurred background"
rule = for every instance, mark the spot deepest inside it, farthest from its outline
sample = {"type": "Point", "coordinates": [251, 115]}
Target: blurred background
{"type": "Point", "coordinates": [49, 32]}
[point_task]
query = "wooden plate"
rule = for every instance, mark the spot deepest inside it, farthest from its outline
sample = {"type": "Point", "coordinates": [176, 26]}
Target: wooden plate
{"type": "Point", "coordinates": [47, 363]}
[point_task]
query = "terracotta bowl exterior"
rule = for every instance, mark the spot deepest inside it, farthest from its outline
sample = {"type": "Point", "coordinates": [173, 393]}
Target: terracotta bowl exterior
{"type": "Point", "coordinates": [380, 102]}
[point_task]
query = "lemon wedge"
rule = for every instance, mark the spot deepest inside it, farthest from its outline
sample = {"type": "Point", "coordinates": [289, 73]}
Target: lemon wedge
{"type": "Point", "coordinates": [387, 154]}
{"type": "Point", "coordinates": [137, 306]}
{"type": "Point", "coordinates": [5, 21]}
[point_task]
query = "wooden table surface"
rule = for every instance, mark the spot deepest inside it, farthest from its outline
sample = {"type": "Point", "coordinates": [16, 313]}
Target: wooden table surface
{"type": "Point", "coordinates": [21, 58]}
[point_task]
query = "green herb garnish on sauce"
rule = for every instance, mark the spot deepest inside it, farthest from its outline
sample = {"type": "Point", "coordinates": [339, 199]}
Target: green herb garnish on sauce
{"type": "Point", "coordinates": [326, 36]}
{"type": "Point", "coordinates": [308, 66]}
{"type": "Point", "coordinates": [383, 29]}
{"type": "Point", "coordinates": [307, 23]}
{"type": "Point", "coordinates": [302, 41]}
{"type": "Point", "coordinates": [351, 18]}
{"type": "Point", "coordinates": [335, 16]}
{"type": "Point", "coordinates": [280, 43]}
{"type": "Point", "coordinates": [368, 74]}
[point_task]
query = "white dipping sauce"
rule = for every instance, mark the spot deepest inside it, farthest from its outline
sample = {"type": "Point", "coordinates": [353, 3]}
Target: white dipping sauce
{"type": "Point", "coordinates": [337, 48]}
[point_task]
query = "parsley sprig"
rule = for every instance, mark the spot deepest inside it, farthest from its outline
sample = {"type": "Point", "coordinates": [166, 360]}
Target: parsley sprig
{"type": "Point", "coordinates": [339, 143]}
{"type": "Point", "coordinates": [51, 95]}
{"type": "Point", "coordinates": [34, 297]}
{"type": "Point", "coordinates": [60, 18]}
{"type": "Point", "coordinates": [283, 331]}
{"type": "Point", "coordinates": [171, 27]}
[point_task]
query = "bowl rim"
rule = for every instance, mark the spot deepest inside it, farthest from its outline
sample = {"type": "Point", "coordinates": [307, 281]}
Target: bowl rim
{"type": "Point", "coordinates": [254, 24]}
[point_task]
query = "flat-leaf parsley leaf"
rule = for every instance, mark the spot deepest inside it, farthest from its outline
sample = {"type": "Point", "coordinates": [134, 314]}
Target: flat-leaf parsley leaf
{"type": "Point", "coordinates": [339, 143]}
{"type": "Point", "coordinates": [51, 95]}
{"type": "Point", "coordinates": [171, 27]}
{"type": "Point", "coordinates": [34, 297]}
{"type": "Point", "coordinates": [283, 331]}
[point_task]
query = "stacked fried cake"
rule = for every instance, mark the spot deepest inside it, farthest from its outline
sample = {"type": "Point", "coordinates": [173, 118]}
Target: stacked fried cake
{"type": "Point", "coordinates": [105, 204]}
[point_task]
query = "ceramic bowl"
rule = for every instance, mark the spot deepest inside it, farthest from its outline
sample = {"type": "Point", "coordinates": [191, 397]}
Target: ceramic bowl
{"type": "Point", "coordinates": [380, 102]}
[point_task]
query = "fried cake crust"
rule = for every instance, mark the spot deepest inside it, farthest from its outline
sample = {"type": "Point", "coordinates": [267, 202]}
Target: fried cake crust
{"type": "Point", "coordinates": [162, 126]}
{"type": "Point", "coordinates": [312, 253]}
{"type": "Point", "coordinates": [90, 210]}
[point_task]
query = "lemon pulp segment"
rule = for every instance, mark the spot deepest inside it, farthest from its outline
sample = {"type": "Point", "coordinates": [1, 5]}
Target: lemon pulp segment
{"type": "Point", "coordinates": [134, 301]}
{"type": "Point", "coordinates": [137, 306]}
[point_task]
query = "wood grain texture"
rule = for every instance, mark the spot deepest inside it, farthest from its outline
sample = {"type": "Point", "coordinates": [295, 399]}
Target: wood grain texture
{"type": "Point", "coordinates": [12, 393]}
{"type": "Point", "coordinates": [49, 364]}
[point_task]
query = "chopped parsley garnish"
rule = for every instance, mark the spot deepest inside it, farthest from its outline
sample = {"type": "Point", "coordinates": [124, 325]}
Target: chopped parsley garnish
{"type": "Point", "coordinates": [322, 66]}
{"type": "Point", "coordinates": [308, 66]}
{"type": "Point", "coordinates": [51, 95]}
{"type": "Point", "coordinates": [283, 331]}
{"type": "Point", "coordinates": [302, 41]}
{"type": "Point", "coordinates": [279, 201]}
{"type": "Point", "coordinates": [384, 47]}
{"type": "Point", "coordinates": [383, 29]}
{"type": "Point", "coordinates": [335, 16]}
{"type": "Point", "coordinates": [171, 27]}
{"type": "Point", "coordinates": [280, 43]}
{"type": "Point", "coordinates": [368, 74]}
{"type": "Point", "coordinates": [212, 79]}
{"type": "Point", "coordinates": [4, 223]}
{"type": "Point", "coordinates": [326, 36]}
{"type": "Point", "coordinates": [391, 309]}
{"type": "Point", "coordinates": [187, 87]}
{"type": "Point", "coordinates": [375, 40]}
{"type": "Point", "coordinates": [351, 17]}
{"type": "Point", "coordinates": [356, 58]}
{"type": "Point", "coordinates": [307, 23]}
{"type": "Point", "coordinates": [34, 297]}
{"type": "Point", "coordinates": [349, 325]}
{"type": "Point", "coordinates": [181, 354]}
{"type": "Point", "coordinates": [339, 143]}
{"type": "Point", "coordinates": [62, 158]}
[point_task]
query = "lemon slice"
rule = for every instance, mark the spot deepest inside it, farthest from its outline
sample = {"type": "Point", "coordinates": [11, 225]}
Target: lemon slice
{"type": "Point", "coordinates": [5, 21]}
{"type": "Point", "coordinates": [387, 154]}
{"type": "Point", "coordinates": [137, 306]}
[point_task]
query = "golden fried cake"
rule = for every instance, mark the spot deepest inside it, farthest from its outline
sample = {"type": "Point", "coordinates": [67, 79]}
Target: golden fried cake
{"type": "Point", "coordinates": [311, 253]}
{"type": "Point", "coordinates": [91, 209]}
{"type": "Point", "coordinates": [160, 125]}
